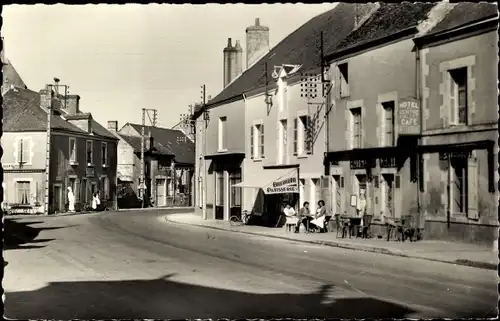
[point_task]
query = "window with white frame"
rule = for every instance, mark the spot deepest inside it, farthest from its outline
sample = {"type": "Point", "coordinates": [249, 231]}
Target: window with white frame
{"type": "Point", "coordinates": [72, 150]}
{"type": "Point", "coordinates": [23, 150]}
{"type": "Point", "coordinates": [357, 128]}
{"type": "Point", "coordinates": [343, 78]}
{"type": "Point", "coordinates": [105, 188]}
{"type": "Point", "coordinates": [459, 108]}
{"type": "Point", "coordinates": [104, 154]}
{"type": "Point", "coordinates": [388, 132]}
{"type": "Point", "coordinates": [90, 152]}
{"type": "Point", "coordinates": [259, 143]}
{"type": "Point", "coordinates": [23, 192]}
{"type": "Point", "coordinates": [222, 134]}
{"type": "Point", "coordinates": [283, 140]}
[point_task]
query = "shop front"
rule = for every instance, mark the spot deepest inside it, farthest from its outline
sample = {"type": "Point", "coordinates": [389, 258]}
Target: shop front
{"type": "Point", "coordinates": [275, 186]}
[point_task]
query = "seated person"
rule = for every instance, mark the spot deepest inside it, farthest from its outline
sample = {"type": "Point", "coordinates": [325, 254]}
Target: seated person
{"type": "Point", "coordinates": [304, 216]}
{"type": "Point", "coordinates": [291, 216]}
{"type": "Point", "coordinates": [319, 220]}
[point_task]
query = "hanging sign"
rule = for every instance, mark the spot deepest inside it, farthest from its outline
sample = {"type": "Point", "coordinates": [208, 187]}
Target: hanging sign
{"type": "Point", "coordinates": [409, 117]}
{"type": "Point", "coordinates": [285, 184]}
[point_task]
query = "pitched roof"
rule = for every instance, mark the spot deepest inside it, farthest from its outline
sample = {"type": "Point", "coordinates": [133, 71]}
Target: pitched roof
{"type": "Point", "coordinates": [168, 142]}
{"type": "Point", "coordinates": [133, 141]}
{"type": "Point", "coordinates": [11, 77]}
{"type": "Point", "coordinates": [389, 19]}
{"type": "Point", "coordinates": [301, 47]}
{"type": "Point", "coordinates": [22, 112]}
{"type": "Point", "coordinates": [465, 13]}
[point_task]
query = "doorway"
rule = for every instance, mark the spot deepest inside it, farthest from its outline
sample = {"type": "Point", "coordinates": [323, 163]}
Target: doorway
{"type": "Point", "coordinates": [57, 200]}
{"type": "Point", "coordinates": [336, 195]}
{"type": "Point", "coordinates": [161, 189]}
{"type": "Point", "coordinates": [388, 194]}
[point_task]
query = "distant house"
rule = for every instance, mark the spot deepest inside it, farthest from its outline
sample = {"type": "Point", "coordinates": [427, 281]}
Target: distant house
{"type": "Point", "coordinates": [82, 152]}
{"type": "Point", "coordinates": [168, 166]}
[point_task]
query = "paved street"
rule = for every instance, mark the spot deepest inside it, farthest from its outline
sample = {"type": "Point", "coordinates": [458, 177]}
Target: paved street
{"type": "Point", "coordinates": [136, 265]}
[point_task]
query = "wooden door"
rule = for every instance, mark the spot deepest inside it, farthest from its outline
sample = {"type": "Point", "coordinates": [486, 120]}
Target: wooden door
{"type": "Point", "coordinates": [161, 189]}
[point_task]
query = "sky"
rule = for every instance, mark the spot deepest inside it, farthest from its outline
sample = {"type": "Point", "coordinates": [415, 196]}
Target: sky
{"type": "Point", "coordinates": [122, 58]}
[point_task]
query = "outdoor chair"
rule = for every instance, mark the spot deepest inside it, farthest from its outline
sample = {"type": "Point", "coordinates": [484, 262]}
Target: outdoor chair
{"type": "Point", "coordinates": [392, 226]}
{"type": "Point", "coordinates": [342, 225]}
{"type": "Point", "coordinates": [367, 222]}
{"type": "Point", "coordinates": [407, 230]}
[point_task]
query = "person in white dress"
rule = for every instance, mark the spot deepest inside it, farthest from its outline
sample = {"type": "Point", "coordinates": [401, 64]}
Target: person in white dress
{"type": "Point", "coordinates": [95, 201]}
{"type": "Point", "coordinates": [71, 200]}
{"type": "Point", "coordinates": [319, 220]}
{"type": "Point", "coordinates": [291, 216]}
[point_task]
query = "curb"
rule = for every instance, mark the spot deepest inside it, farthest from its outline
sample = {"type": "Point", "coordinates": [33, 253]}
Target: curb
{"type": "Point", "coordinates": [123, 210]}
{"type": "Point", "coordinates": [469, 263]}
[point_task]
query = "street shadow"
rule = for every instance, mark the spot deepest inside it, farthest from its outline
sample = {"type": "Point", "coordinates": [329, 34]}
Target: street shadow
{"type": "Point", "coordinates": [166, 299]}
{"type": "Point", "coordinates": [20, 234]}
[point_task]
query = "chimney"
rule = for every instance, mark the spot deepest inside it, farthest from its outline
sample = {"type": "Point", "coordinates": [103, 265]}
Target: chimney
{"type": "Point", "coordinates": [238, 67]}
{"type": "Point", "coordinates": [73, 104]}
{"type": "Point", "coordinates": [46, 97]}
{"type": "Point", "coordinates": [113, 125]}
{"type": "Point", "coordinates": [229, 61]}
{"type": "Point", "coordinates": [257, 42]}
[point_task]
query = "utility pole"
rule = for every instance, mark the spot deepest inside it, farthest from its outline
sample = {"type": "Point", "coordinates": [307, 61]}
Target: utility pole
{"type": "Point", "coordinates": [204, 137]}
{"type": "Point", "coordinates": [153, 121]}
{"type": "Point", "coordinates": [47, 152]}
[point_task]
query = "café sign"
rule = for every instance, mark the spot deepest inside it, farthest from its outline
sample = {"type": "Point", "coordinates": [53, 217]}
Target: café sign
{"type": "Point", "coordinates": [284, 184]}
{"type": "Point", "coordinates": [409, 117]}
{"type": "Point", "coordinates": [360, 164]}
{"type": "Point", "coordinates": [454, 155]}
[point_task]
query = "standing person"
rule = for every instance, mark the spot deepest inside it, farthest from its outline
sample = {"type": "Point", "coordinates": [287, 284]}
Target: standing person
{"type": "Point", "coordinates": [95, 201]}
{"type": "Point", "coordinates": [71, 200]}
{"type": "Point", "coordinates": [304, 216]}
{"type": "Point", "coordinates": [319, 219]}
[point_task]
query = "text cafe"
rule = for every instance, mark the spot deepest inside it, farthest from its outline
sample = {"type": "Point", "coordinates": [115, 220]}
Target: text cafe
{"type": "Point", "coordinates": [275, 185]}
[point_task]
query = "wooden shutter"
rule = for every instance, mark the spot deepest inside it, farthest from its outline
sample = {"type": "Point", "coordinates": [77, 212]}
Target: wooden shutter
{"type": "Point", "coordinates": [452, 111]}
{"type": "Point", "coordinates": [295, 135]}
{"type": "Point", "coordinates": [472, 185]}
{"type": "Point", "coordinates": [261, 132]}
{"type": "Point", "coordinates": [251, 143]}
{"type": "Point", "coordinates": [26, 150]}
{"type": "Point", "coordinates": [375, 180]}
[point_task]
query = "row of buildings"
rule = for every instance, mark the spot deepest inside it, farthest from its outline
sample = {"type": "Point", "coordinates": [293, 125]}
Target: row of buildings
{"type": "Point", "coordinates": [84, 155]}
{"type": "Point", "coordinates": [394, 101]}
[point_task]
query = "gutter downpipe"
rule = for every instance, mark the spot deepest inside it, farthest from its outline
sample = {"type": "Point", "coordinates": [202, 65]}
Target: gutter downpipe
{"type": "Point", "coordinates": [420, 140]}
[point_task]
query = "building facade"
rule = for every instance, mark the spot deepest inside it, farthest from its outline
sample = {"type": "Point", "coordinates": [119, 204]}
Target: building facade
{"type": "Point", "coordinates": [82, 153]}
{"type": "Point", "coordinates": [168, 166]}
{"type": "Point", "coordinates": [460, 125]}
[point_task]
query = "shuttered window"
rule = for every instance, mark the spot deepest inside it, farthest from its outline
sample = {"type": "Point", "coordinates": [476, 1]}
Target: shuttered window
{"type": "Point", "coordinates": [458, 96]}
{"type": "Point", "coordinates": [388, 123]}
{"type": "Point", "coordinates": [472, 189]}
{"type": "Point", "coordinates": [357, 130]}
{"type": "Point", "coordinates": [459, 175]}
{"type": "Point", "coordinates": [23, 192]}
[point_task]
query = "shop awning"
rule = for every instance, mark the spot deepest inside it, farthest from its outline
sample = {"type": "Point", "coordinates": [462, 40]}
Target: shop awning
{"type": "Point", "coordinates": [273, 181]}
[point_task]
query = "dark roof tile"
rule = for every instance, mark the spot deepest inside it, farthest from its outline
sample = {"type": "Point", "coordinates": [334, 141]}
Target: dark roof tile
{"type": "Point", "coordinates": [465, 13]}
{"type": "Point", "coordinates": [389, 19]}
{"type": "Point", "coordinates": [301, 47]}
{"type": "Point", "coordinates": [169, 142]}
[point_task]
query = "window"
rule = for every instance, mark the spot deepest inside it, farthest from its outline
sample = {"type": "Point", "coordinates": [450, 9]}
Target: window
{"type": "Point", "coordinates": [235, 178]}
{"type": "Point", "coordinates": [459, 96]}
{"type": "Point", "coordinates": [283, 141]}
{"type": "Point", "coordinates": [104, 154]}
{"type": "Point", "coordinates": [222, 133]}
{"type": "Point", "coordinates": [252, 150]}
{"type": "Point", "coordinates": [356, 126]}
{"type": "Point", "coordinates": [459, 178]}
{"type": "Point", "coordinates": [260, 140]}
{"type": "Point", "coordinates": [72, 150]}
{"type": "Point", "coordinates": [104, 188]}
{"type": "Point", "coordinates": [343, 80]}
{"type": "Point", "coordinates": [220, 189]}
{"type": "Point", "coordinates": [23, 150]}
{"type": "Point", "coordinates": [23, 192]}
{"type": "Point", "coordinates": [389, 137]}
{"type": "Point", "coordinates": [295, 137]}
{"type": "Point", "coordinates": [305, 132]}
{"type": "Point", "coordinates": [90, 152]}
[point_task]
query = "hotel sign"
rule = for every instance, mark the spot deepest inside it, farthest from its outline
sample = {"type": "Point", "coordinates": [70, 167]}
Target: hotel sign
{"type": "Point", "coordinates": [409, 117]}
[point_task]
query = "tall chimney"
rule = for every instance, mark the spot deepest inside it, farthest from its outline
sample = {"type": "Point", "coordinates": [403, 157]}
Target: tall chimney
{"type": "Point", "coordinates": [238, 64]}
{"type": "Point", "coordinates": [229, 56]}
{"type": "Point", "coordinates": [113, 125]}
{"type": "Point", "coordinates": [46, 97]}
{"type": "Point", "coordinates": [257, 42]}
{"type": "Point", "coordinates": [73, 104]}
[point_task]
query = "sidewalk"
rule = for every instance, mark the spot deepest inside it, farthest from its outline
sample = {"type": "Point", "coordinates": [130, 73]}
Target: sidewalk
{"type": "Point", "coordinates": [440, 251]}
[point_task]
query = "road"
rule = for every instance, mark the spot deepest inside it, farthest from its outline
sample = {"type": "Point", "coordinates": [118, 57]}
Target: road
{"type": "Point", "coordinates": [136, 265]}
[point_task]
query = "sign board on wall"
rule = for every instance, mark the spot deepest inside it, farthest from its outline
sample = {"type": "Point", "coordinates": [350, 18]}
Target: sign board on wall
{"type": "Point", "coordinates": [409, 117]}
{"type": "Point", "coordinates": [285, 184]}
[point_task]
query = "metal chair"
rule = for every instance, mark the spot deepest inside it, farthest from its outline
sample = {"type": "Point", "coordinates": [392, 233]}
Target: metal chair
{"type": "Point", "coordinates": [341, 225]}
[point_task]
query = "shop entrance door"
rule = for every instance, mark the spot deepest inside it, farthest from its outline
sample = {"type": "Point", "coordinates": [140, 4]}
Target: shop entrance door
{"type": "Point", "coordinates": [161, 186]}
{"type": "Point", "coordinates": [58, 199]}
